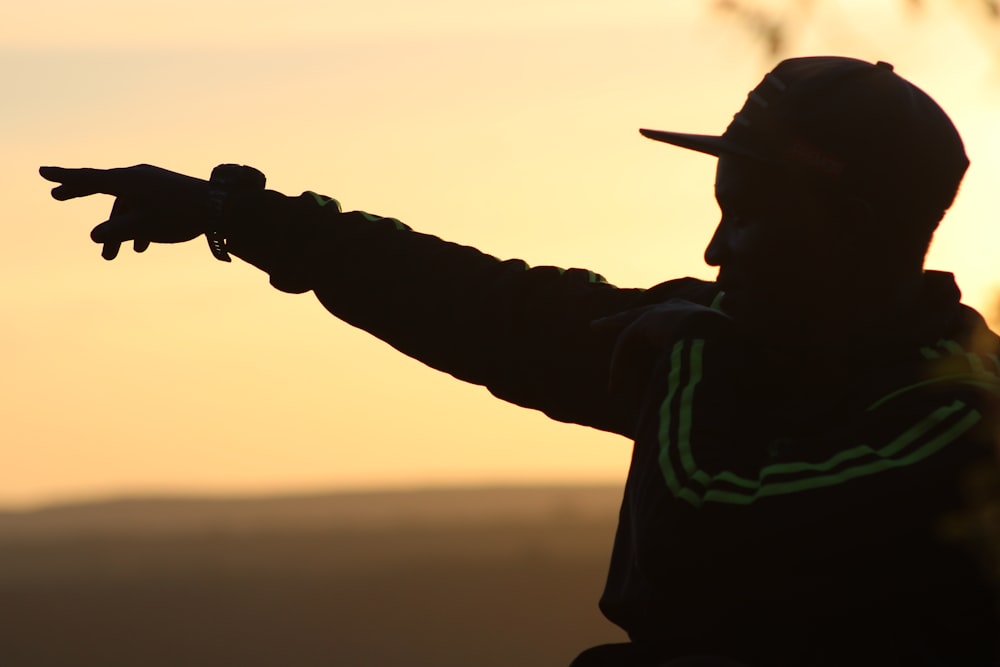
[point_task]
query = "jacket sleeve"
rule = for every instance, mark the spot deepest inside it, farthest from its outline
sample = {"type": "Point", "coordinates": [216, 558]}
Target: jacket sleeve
{"type": "Point", "coordinates": [524, 333]}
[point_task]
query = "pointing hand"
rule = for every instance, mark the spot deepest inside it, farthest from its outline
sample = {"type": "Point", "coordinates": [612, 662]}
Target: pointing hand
{"type": "Point", "coordinates": [151, 204]}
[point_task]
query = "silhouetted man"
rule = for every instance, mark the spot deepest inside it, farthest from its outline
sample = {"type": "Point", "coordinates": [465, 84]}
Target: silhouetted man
{"type": "Point", "coordinates": [814, 431]}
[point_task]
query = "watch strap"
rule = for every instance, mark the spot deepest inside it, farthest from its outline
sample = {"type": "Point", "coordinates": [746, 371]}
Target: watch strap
{"type": "Point", "coordinates": [225, 180]}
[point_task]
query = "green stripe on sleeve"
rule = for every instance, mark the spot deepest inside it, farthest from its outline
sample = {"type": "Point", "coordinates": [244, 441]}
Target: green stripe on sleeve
{"type": "Point", "coordinates": [687, 409]}
{"type": "Point", "coordinates": [323, 200]}
{"type": "Point", "coordinates": [666, 421]}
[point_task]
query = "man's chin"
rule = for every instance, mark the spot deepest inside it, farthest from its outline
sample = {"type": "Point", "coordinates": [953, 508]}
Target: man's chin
{"type": "Point", "coordinates": [764, 316]}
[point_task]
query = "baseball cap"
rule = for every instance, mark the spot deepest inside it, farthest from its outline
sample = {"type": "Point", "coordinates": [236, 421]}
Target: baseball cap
{"type": "Point", "coordinates": [846, 124]}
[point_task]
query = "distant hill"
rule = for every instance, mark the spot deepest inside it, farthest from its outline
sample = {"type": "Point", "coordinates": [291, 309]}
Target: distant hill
{"type": "Point", "coordinates": [476, 577]}
{"type": "Point", "coordinates": [154, 515]}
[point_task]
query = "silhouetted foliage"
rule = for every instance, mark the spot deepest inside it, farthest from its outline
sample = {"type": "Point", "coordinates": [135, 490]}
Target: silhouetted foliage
{"type": "Point", "coordinates": [775, 23]}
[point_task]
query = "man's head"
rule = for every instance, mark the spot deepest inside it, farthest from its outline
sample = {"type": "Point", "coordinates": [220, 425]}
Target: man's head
{"type": "Point", "coordinates": [833, 166]}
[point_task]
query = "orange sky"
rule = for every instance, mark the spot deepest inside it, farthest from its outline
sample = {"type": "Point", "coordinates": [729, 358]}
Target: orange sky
{"type": "Point", "coordinates": [512, 129]}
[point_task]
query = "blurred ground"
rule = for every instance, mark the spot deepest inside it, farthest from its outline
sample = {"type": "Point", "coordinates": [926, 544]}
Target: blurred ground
{"type": "Point", "coordinates": [492, 577]}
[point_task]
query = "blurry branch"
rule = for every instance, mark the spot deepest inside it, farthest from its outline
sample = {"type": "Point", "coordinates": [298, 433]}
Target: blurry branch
{"type": "Point", "coordinates": [769, 25]}
{"type": "Point", "coordinates": [989, 9]}
{"type": "Point", "coordinates": [774, 23]}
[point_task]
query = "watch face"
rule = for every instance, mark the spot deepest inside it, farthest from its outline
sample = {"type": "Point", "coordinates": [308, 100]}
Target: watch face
{"type": "Point", "coordinates": [236, 175]}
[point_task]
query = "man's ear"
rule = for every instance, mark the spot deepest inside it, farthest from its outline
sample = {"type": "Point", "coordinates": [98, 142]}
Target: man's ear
{"type": "Point", "coordinates": [888, 244]}
{"type": "Point", "coordinates": [868, 236]}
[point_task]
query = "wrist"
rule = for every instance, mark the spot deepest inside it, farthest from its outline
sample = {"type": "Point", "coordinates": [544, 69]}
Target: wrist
{"type": "Point", "coordinates": [226, 181]}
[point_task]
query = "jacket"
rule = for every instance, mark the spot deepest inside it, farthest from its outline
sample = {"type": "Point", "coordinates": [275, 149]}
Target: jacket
{"type": "Point", "coordinates": [780, 509]}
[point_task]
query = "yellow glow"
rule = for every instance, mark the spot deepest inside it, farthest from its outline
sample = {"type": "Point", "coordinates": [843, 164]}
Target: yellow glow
{"type": "Point", "coordinates": [514, 130]}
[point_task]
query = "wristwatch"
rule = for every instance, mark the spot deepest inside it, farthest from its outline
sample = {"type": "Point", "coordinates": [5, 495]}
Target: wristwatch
{"type": "Point", "coordinates": [225, 180]}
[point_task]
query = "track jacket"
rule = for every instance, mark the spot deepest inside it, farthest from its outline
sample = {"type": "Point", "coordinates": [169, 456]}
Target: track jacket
{"type": "Point", "coordinates": [778, 513]}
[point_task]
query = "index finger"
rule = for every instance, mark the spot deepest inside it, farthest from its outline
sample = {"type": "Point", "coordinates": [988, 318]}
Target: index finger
{"type": "Point", "coordinates": [77, 182]}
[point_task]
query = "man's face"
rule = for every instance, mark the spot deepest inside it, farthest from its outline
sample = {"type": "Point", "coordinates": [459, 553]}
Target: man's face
{"type": "Point", "coordinates": [778, 252]}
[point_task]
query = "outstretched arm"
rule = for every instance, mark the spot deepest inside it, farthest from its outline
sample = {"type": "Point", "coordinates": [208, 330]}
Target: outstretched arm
{"type": "Point", "coordinates": [524, 333]}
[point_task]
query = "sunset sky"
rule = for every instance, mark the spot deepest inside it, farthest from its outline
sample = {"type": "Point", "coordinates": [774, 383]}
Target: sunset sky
{"type": "Point", "coordinates": [510, 126]}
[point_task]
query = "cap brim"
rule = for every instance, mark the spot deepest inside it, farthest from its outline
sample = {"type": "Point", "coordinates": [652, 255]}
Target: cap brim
{"type": "Point", "coordinates": [703, 143]}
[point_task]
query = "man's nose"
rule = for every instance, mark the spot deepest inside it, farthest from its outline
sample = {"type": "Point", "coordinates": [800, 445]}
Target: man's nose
{"type": "Point", "coordinates": [717, 250]}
